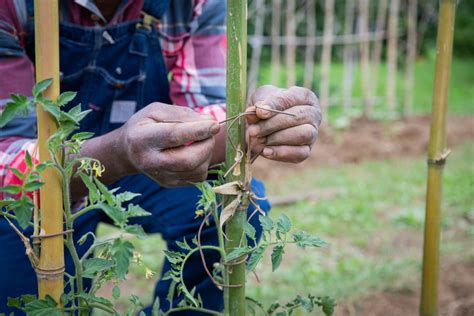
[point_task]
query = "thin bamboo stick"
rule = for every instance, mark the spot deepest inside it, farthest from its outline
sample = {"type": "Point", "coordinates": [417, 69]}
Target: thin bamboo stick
{"type": "Point", "coordinates": [392, 55]}
{"type": "Point", "coordinates": [437, 153]}
{"type": "Point", "coordinates": [290, 49]}
{"type": "Point", "coordinates": [380, 24]}
{"type": "Point", "coordinates": [50, 271]}
{"type": "Point", "coordinates": [326, 54]}
{"type": "Point", "coordinates": [348, 56]}
{"type": "Point", "coordinates": [411, 57]}
{"type": "Point", "coordinates": [364, 56]}
{"type": "Point", "coordinates": [234, 297]}
{"type": "Point", "coordinates": [309, 52]}
{"type": "Point", "coordinates": [275, 33]}
{"type": "Point", "coordinates": [257, 48]}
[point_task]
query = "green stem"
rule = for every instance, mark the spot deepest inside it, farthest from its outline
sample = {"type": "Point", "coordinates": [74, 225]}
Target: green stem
{"type": "Point", "coordinates": [195, 309]}
{"type": "Point", "coordinates": [234, 297]}
{"type": "Point", "coordinates": [84, 211]}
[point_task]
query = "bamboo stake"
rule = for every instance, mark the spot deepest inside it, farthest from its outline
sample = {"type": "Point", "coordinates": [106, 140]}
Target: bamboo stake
{"type": "Point", "coordinates": [437, 153]}
{"type": "Point", "coordinates": [326, 54]}
{"type": "Point", "coordinates": [290, 49]}
{"type": "Point", "coordinates": [364, 56]}
{"type": "Point", "coordinates": [275, 33]}
{"type": "Point", "coordinates": [50, 270]}
{"type": "Point", "coordinates": [257, 48]}
{"type": "Point", "coordinates": [411, 57]}
{"type": "Point", "coordinates": [309, 52]}
{"type": "Point", "coordinates": [378, 45]}
{"type": "Point", "coordinates": [392, 56]}
{"type": "Point", "coordinates": [234, 297]}
{"type": "Point", "coordinates": [348, 56]}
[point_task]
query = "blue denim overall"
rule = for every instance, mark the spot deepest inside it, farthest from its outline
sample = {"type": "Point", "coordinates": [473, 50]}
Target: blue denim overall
{"type": "Point", "coordinates": [117, 70]}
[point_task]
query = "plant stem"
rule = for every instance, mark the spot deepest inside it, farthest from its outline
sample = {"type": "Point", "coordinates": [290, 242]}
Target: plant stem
{"type": "Point", "coordinates": [84, 211]}
{"type": "Point", "coordinates": [234, 297]}
{"type": "Point", "coordinates": [195, 309]}
{"type": "Point", "coordinates": [437, 154]}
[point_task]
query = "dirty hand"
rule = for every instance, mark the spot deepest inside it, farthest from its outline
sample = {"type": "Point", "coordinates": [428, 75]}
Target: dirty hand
{"type": "Point", "coordinates": [281, 137]}
{"type": "Point", "coordinates": [163, 150]}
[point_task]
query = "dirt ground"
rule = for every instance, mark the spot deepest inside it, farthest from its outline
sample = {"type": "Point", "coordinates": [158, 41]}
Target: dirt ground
{"type": "Point", "coordinates": [373, 140]}
{"type": "Point", "coordinates": [366, 139]}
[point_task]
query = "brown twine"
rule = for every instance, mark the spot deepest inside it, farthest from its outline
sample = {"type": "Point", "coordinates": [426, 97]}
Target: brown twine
{"type": "Point", "coordinates": [52, 235]}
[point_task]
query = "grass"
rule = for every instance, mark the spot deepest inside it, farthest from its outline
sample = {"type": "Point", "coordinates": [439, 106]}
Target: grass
{"type": "Point", "coordinates": [460, 99]}
{"type": "Point", "coordinates": [374, 228]}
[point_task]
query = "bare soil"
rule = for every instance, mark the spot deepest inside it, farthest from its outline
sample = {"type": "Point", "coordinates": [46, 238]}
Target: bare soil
{"type": "Point", "coordinates": [370, 140]}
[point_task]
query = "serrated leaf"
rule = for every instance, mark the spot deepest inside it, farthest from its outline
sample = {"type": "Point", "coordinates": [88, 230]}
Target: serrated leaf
{"type": "Point", "coordinates": [237, 253]}
{"type": "Point", "coordinates": [43, 307]}
{"type": "Point", "coordinates": [303, 239]}
{"type": "Point", "coordinates": [283, 223]}
{"type": "Point", "coordinates": [28, 160]}
{"type": "Point", "coordinates": [256, 256]}
{"type": "Point", "coordinates": [23, 212]}
{"type": "Point", "coordinates": [27, 298]}
{"type": "Point", "coordinates": [136, 211]}
{"type": "Point", "coordinates": [52, 108]}
{"type": "Point", "coordinates": [82, 136]}
{"type": "Point", "coordinates": [126, 196]}
{"type": "Point", "coordinates": [250, 230]}
{"type": "Point", "coordinates": [327, 305]}
{"type": "Point", "coordinates": [122, 252]}
{"type": "Point", "coordinates": [65, 97]}
{"type": "Point", "coordinates": [105, 192]}
{"type": "Point", "coordinates": [32, 186]}
{"type": "Point", "coordinates": [266, 222]}
{"type": "Point", "coordinates": [277, 255]}
{"type": "Point", "coordinates": [183, 245]}
{"type": "Point", "coordinates": [94, 265]}
{"type": "Point", "coordinates": [136, 230]}
{"type": "Point", "coordinates": [41, 86]}
{"type": "Point", "coordinates": [40, 167]}
{"type": "Point", "coordinates": [91, 187]}
{"type": "Point", "coordinates": [11, 189]}
{"type": "Point", "coordinates": [14, 302]}
{"type": "Point", "coordinates": [95, 299]}
{"type": "Point", "coordinates": [17, 172]}
{"type": "Point", "coordinates": [9, 111]}
{"type": "Point", "coordinates": [116, 292]}
{"type": "Point", "coordinates": [114, 213]}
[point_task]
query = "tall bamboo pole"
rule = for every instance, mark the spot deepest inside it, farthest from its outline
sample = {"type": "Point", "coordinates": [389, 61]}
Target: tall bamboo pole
{"type": "Point", "coordinates": [437, 153]}
{"type": "Point", "coordinates": [310, 45]}
{"type": "Point", "coordinates": [257, 48]}
{"type": "Point", "coordinates": [236, 103]}
{"type": "Point", "coordinates": [275, 34]}
{"type": "Point", "coordinates": [378, 45]}
{"type": "Point", "coordinates": [348, 56]}
{"type": "Point", "coordinates": [326, 54]}
{"type": "Point", "coordinates": [364, 56]}
{"type": "Point", "coordinates": [290, 48]}
{"type": "Point", "coordinates": [50, 271]}
{"type": "Point", "coordinates": [392, 55]}
{"type": "Point", "coordinates": [411, 57]}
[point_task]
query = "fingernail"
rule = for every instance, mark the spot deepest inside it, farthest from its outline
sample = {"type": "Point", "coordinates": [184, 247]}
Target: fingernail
{"type": "Point", "coordinates": [267, 152]}
{"type": "Point", "coordinates": [215, 128]}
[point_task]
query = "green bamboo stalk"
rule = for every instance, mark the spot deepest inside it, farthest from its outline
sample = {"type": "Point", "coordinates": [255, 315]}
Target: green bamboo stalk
{"type": "Point", "coordinates": [437, 153]}
{"type": "Point", "coordinates": [234, 297]}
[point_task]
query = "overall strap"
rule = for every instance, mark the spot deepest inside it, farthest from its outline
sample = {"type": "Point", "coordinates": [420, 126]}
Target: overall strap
{"type": "Point", "coordinates": [21, 13]}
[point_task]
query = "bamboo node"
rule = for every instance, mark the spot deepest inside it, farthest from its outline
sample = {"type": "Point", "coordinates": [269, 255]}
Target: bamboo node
{"type": "Point", "coordinates": [439, 159]}
{"type": "Point", "coordinates": [49, 274]}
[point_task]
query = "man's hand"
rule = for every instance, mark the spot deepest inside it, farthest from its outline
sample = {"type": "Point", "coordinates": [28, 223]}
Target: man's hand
{"type": "Point", "coordinates": [281, 137]}
{"type": "Point", "coordinates": [172, 153]}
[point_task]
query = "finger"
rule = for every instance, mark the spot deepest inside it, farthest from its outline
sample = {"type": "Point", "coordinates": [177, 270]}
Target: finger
{"type": "Point", "coordinates": [293, 154]}
{"type": "Point", "coordinates": [305, 134]}
{"type": "Point", "coordinates": [301, 115]}
{"type": "Point", "coordinates": [186, 158]}
{"type": "Point", "coordinates": [286, 99]}
{"type": "Point", "coordinates": [251, 118]}
{"type": "Point", "coordinates": [169, 135]}
{"type": "Point", "coordinates": [163, 112]}
{"type": "Point", "coordinates": [263, 93]}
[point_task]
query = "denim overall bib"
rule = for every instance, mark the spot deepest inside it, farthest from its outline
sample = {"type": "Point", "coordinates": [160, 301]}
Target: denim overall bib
{"type": "Point", "coordinates": [117, 70]}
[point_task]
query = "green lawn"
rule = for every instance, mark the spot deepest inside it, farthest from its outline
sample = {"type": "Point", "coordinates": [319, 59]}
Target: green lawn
{"type": "Point", "coordinates": [461, 99]}
{"type": "Point", "coordinates": [374, 228]}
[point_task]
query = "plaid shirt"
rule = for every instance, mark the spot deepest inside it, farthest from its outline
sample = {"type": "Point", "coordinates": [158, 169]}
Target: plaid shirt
{"type": "Point", "coordinates": [193, 41]}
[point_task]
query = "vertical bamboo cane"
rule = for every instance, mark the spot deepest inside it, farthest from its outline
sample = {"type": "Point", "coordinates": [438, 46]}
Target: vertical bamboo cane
{"type": "Point", "coordinates": [392, 56]}
{"type": "Point", "coordinates": [437, 153]}
{"type": "Point", "coordinates": [310, 45]}
{"type": "Point", "coordinates": [326, 54]}
{"type": "Point", "coordinates": [364, 56]}
{"type": "Point", "coordinates": [290, 48]}
{"type": "Point", "coordinates": [275, 33]}
{"type": "Point", "coordinates": [50, 271]}
{"type": "Point", "coordinates": [411, 57]}
{"type": "Point", "coordinates": [348, 56]}
{"type": "Point", "coordinates": [257, 48]}
{"type": "Point", "coordinates": [234, 297]}
{"type": "Point", "coordinates": [378, 45]}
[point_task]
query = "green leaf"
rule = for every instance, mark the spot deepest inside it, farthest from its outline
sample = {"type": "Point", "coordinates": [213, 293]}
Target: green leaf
{"type": "Point", "coordinates": [327, 305]}
{"type": "Point", "coordinates": [51, 107]}
{"type": "Point", "coordinates": [82, 136]}
{"type": "Point", "coordinates": [277, 255]}
{"type": "Point", "coordinates": [249, 230]}
{"type": "Point", "coordinates": [43, 307]}
{"type": "Point", "coordinates": [23, 212]}
{"type": "Point", "coordinates": [136, 230]}
{"type": "Point", "coordinates": [11, 189]}
{"type": "Point", "coordinates": [32, 186]}
{"type": "Point", "coordinates": [41, 86]}
{"type": "Point", "coordinates": [9, 111]}
{"type": "Point", "coordinates": [122, 252]}
{"type": "Point", "coordinates": [283, 223]}
{"type": "Point", "coordinates": [95, 299]}
{"type": "Point", "coordinates": [126, 196]}
{"type": "Point", "coordinates": [66, 97]}
{"type": "Point", "coordinates": [28, 298]}
{"type": "Point", "coordinates": [303, 239]}
{"type": "Point", "coordinates": [256, 256]}
{"type": "Point", "coordinates": [116, 292]}
{"type": "Point", "coordinates": [93, 195]}
{"type": "Point", "coordinates": [17, 172]}
{"type": "Point", "coordinates": [94, 265]}
{"type": "Point", "coordinates": [40, 167]}
{"type": "Point", "coordinates": [28, 160]}
{"type": "Point", "coordinates": [114, 213]}
{"type": "Point", "coordinates": [105, 192]}
{"type": "Point", "coordinates": [183, 245]}
{"type": "Point", "coordinates": [136, 211]}
{"type": "Point", "coordinates": [14, 302]}
{"type": "Point", "coordinates": [266, 222]}
{"type": "Point", "coordinates": [237, 253]}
